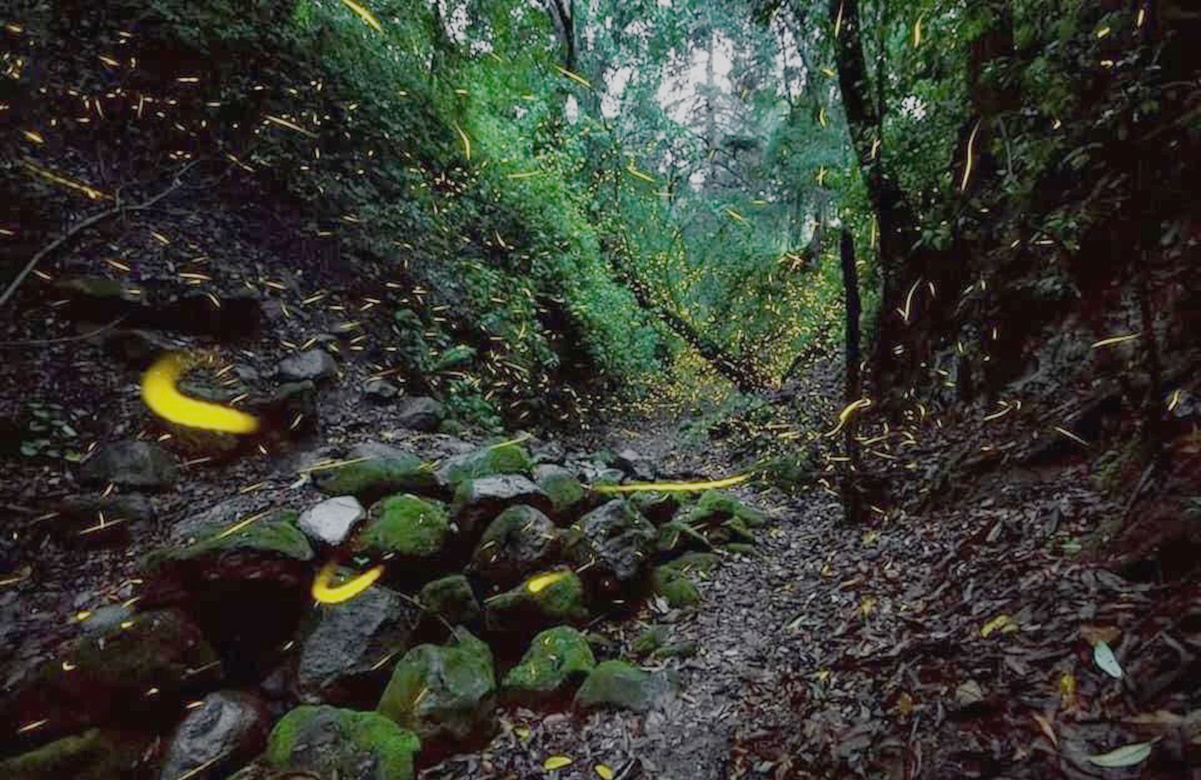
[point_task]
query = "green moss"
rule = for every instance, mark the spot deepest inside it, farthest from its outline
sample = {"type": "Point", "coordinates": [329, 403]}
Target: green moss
{"type": "Point", "coordinates": [276, 533]}
{"type": "Point", "coordinates": [452, 599]}
{"type": "Point", "coordinates": [565, 491]}
{"type": "Point", "coordinates": [92, 755]}
{"type": "Point", "coordinates": [743, 548]}
{"type": "Point", "coordinates": [561, 601]}
{"type": "Point", "coordinates": [337, 741]}
{"type": "Point", "coordinates": [556, 657]}
{"type": "Point", "coordinates": [443, 691]}
{"type": "Point", "coordinates": [617, 684]}
{"type": "Point", "coordinates": [368, 480]}
{"type": "Point", "coordinates": [694, 562]}
{"type": "Point", "coordinates": [650, 641]}
{"type": "Point", "coordinates": [675, 587]}
{"type": "Point", "coordinates": [405, 525]}
{"type": "Point", "coordinates": [716, 507]}
{"type": "Point", "coordinates": [486, 462]}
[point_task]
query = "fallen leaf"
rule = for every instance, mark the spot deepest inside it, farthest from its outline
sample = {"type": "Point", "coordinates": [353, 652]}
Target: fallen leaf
{"type": "Point", "coordinates": [556, 762]}
{"type": "Point", "coordinates": [603, 771]}
{"type": "Point", "coordinates": [1127, 755]}
{"type": "Point", "coordinates": [1067, 689]}
{"type": "Point", "coordinates": [523, 732]}
{"type": "Point", "coordinates": [1095, 634]}
{"type": "Point", "coordinates": [1044, 725]}
{"type": "Point", "coordinates": [1002, 623]}
{"type": "Point", "coordinates": [1105, 659]}
{"type": "Point", "coordinates": [867, 606]}
{"type": "Point", "coordinates": [905, 704]}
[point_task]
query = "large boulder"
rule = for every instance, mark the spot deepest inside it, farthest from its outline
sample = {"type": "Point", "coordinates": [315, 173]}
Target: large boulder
{"type": "Point", "coordinates": [486, 462]}
{"type": "Point", "coordinates": [93, 755]}
{"type": "Point", "coordinates": [327, 742]}
{"type": "Point", "coordinates": [312, 365]}
{"type": "Point", "coordinates": [228, 729]}
{"type": "Point", "coordinates": [410, 530]}
{"type": "Point", "coordinates": [557, 658]}
{"type": "Point", "coordinates": [543, 600]}
{"type": "Point", "coordinates": [343, 659]}
{"type": "Point", "coordinates": [520, 541]}
{"type": "Point", "coordinates": [451, 599]}
{"type": "Point", "coordinates": [246, 584]}
{"type": "Point", "coordinates": [370, 474]}
{"type": "Point", "coordinates": [619, 685]}
{"type": "Point", "coordinates": [107, 676]}
{"type": "Point", "coordinates": [479, 500]}
{"type": "Point", "coordinates": [142, 465]}
{"type": "Point", "coordinates": [444, 692]}
{"type": "Point", "coordinates": [331, 521]}
{"type": "Point", "coordinates": [568, 497]}
{"type": "Point", "coordinates": [614, 542]}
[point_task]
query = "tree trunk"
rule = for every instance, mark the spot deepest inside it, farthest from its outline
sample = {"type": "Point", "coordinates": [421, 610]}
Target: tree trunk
{"type": "Point", "coordinates": [852, 501]}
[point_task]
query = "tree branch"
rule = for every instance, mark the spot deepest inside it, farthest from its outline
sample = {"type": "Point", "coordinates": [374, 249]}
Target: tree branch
{"type": "Point", "coordinates": [86, 223]}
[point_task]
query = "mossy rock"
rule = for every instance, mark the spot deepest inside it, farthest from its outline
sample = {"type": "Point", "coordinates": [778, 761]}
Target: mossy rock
{"type": "Point", "coordinates": [372, 479]}
{"type": "Point", "coordinates": [557, 657]}
{"type": "Point", "coordinates": [444, 692]}
{"type": "Point", "coordinates": [485, 462]}
{"type": "Point", "coordinates": [406, 527]}
{"type": "Point", "coordinates": [276, 535]}
{"type": "Point", "coordinates": [92, 755]}
{"type": "Point", "coordinates": [651, 640]}
{"type": "Point", "coordinates": [743, 548]}
{"type": "Point", "coordinates": [659, 508]}
{"type": "Point", "coordinates": [715, 508]}
{"type": "Point", "coordinates": [478, 501]}
{"type": "Point", "coordinates": [542, 600]}
{"type": "Point", "coordinates": [619, 685]}
{"type": "Point", "coordinates": [702, 563]}
{"type": "Point", "coordinates": [567, 494]}
{"type": "Point", "coordinates": [451, 599]}
{"type": "Point", "coordinates": [346, 744]}
{"type": "Point", "coordinates": [520, 541]}
{"type": "Point", "coordinates": [114, 668]}
{"type": "Point", "coordinates": [678, 590]}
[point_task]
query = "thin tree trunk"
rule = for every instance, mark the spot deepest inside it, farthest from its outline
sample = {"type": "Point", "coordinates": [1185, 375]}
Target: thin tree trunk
{"type": "Point", "coordinates": [852, 501]}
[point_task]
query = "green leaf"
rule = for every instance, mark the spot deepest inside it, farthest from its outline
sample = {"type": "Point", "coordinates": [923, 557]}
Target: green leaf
{"type": "Point", "coordinates": [1106, 661]}
{"type": "Point", "coordinates": [29, 449]}
{"type": "Point", "coordinates": [1127, 755]}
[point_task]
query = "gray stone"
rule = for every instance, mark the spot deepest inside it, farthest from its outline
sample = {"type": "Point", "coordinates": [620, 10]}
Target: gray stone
{"type": "Point", "coordinates": [134, 464]}
{"type": "Point", "coordinates": [421, 414]}
{"type": "Point", "coordinates": [479, 500]}
{"type": "Point", "coordinates": [226, 730]}
{"type": "Point", "coordinates": [331, 521]}
{"type": "Point", "coordinates": [341, 657]}
{"type": "Point", "coordinates": [520, 541]}
{"type": "Point", "coordinates": [614, 542]}
{"type": "Point", "coordinates": [635, 464]}
{"type": "Point", "coordinates": [618, 685]}
{"type": "Point", "coordinates": [380, 390]}
{"type": "Point", "coordinates": [313, 364]}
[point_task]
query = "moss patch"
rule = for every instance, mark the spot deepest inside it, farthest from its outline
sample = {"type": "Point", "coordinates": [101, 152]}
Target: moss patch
{"type": "Point", "coordinates": [405, 525]}
{"type": "Point", "coordinates": [342, 742]}
{"type": "Point", "coordinates": [486, 462]}
{"type": "Point", "coordinates": [369, 480]}
{"type": "Point", "coordinates": [443, 691]}
{"type": "Point", "coordinates": [557, 657]}
{"type": "Point", "coordinates": [673, 586]}
{"type": "Point", "coordinates": [618, 685]}
{"type": "Point", "coordinates": [523, 609]}
{"type": "Point", "coordinates": [715, 508]}
{"type": "Point", "coordinates": [452, 599]}
{"type": "Point", "coordinates": [93, 755]}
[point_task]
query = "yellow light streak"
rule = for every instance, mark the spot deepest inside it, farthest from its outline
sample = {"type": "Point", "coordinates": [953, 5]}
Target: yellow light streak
{"type": "Point", "coordinates": [64, 181]}
{"type": "Point", "coordinates": [466, 141]}
{"type": "Point", "coordinates": [541, 582]}
{"type": "Point", "coordinates": [967, 168]}
{"type": "Point", "coordinates": [326, 593]}
{"type": "Point", "coordinates": [577, 78]}
{"type": "Point", "coordinates": [637, 174]}
{"type": "Point", "coordinates": [672, 487]}
{"type": "Point", "coordinates": [1116, 340]}
{"type": "Point", "coordinates": [917, 33]}
{"type": "Point", "coordinates": [838, 22]}
{"type": "Point", "coordinates": [279, 120]}
{"type": "Point", "coordinates": [163, 398]}
{"type": "Point", "coordinates": [846, 413]}
{"type": "Point", "coordinates": [364, 14]}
